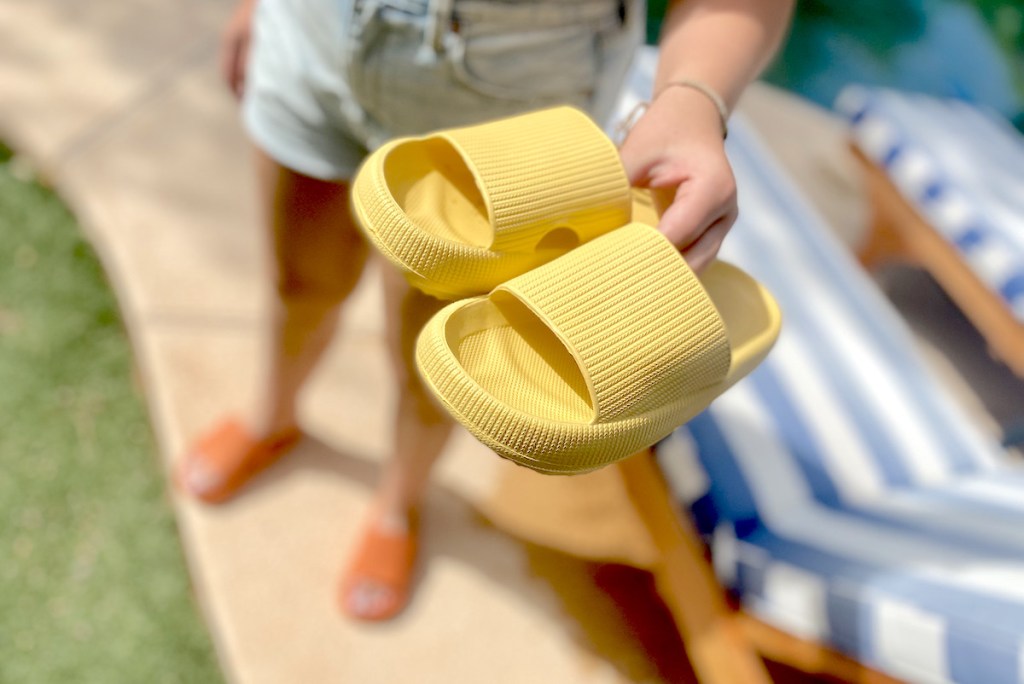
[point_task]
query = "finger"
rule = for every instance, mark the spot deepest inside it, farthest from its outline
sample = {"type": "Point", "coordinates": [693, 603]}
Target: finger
{"type": "Point", "coordinates": [704, 250]}
{"type": "Point", "coordinates": [692, 211]}
{"type": "Point", "coordinates": [226, 63]}
{"type": "Point", "coordinates": [238, 84]}
{"type": "Point", "coordinates": [233, 61]}
{"type": "Point", "coordinates": [241, 66]}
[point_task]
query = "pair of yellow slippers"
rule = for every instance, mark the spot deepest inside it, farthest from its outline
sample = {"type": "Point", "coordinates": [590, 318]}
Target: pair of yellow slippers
{"type": "Point", "coordinates": [578, 335]}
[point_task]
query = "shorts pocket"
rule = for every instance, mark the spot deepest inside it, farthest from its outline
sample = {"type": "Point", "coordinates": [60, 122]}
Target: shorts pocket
{"type": "Point", "coordinates": [540, 51]}
{"type": "Point", "coordinates": [529, 66]}
{"type": "Point", "coordinates": [495, 59]}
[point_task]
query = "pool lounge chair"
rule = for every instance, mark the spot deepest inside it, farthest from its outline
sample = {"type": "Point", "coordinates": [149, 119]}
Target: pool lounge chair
{"type": "Point", "coordinates": [946, 183]}
{"type": "Point", "coordinates": [861, 524]}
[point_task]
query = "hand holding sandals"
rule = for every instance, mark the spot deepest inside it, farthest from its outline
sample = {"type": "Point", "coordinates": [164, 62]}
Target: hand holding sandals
{"type": "Point", "coordinates": [676, 149]}
{"type": "Point", "coordinates": [579, 335]}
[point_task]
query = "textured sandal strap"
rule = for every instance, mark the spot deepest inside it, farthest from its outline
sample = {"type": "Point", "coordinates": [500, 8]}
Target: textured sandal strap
{"type": "Point", "coordinates": [543, 170]}
{"type": "Point", "coordinates": [640, 325]}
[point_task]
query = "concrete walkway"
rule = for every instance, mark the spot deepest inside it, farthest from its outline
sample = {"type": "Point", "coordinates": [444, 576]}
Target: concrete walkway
{"type": "Point", "coordinates": [118, 104]}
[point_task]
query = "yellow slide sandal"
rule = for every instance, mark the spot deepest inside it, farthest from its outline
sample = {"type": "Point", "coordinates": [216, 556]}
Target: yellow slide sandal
{"type": "Point", "coordinates": [598, 354]}
{"type": "Point", "coordinates": [463, 210]}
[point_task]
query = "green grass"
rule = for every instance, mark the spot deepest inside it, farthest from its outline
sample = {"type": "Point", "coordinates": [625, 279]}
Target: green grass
{"type": "Point", "coordinates": [93, 586]}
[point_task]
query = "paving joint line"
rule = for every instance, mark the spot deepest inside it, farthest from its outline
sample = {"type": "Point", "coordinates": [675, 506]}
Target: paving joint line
{"type": "Point", "coordinates": [157, 84]}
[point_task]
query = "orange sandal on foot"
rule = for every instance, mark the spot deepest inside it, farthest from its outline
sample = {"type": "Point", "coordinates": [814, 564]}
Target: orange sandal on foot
{"type": "Point", "coordinates": [227, 457]}
{"type": "Point", "coordinates": [382, 561]}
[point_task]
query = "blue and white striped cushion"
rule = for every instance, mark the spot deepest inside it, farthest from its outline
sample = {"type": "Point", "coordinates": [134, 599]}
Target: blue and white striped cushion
{"type": "Point", "coordinates": [848, 498]}
{"type": "Point", "coordinates": [962, 167]}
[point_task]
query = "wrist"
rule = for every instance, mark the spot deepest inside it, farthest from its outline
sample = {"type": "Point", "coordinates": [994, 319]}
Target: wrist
{"type": "Point", "coordinates": [680, 112]}
{"type": "Point", "coordinates": [686, 88]}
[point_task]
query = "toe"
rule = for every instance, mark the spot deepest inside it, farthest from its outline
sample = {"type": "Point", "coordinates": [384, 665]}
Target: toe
{"type": "Point", "coordinates": [370, 601]}
{"type": "Point", "coordinates": [198, 477]}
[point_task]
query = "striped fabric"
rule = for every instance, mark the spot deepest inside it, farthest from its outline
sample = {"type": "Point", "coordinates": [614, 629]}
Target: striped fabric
{"type": "Point", "coordinates": [963, 168]}
{"type": "Point", "coordinates": [846, 497]}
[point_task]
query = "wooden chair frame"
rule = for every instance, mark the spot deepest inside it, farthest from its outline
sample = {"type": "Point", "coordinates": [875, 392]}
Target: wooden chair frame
{"type": "Point", "coordinates": [724, 644]}
{"type": "Point", "coordinates": [899, 233]}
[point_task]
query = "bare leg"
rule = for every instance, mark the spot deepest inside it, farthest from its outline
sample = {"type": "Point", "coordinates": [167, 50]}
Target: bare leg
{"type": "Point", "coordinates": [318, 257]}
{"type": "Point", "coordinates": [421, 426]}
{"type": "Point", "coordinates": [421, 431]}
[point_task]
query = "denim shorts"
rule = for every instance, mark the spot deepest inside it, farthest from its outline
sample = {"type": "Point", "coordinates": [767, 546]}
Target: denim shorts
{"type": "Point", "coordinates": [329, 80]}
